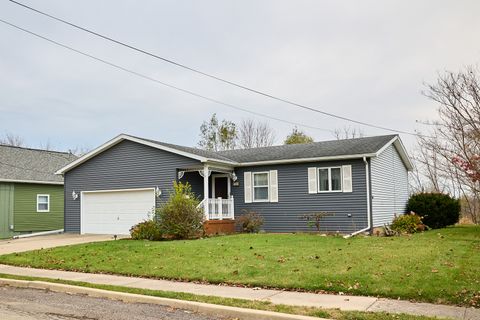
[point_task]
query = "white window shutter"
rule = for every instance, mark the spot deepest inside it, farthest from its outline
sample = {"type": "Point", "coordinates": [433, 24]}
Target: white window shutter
{"type": "Point", "coordinates": [347, 178]}
{"type": "Point", "coordinates": [312, 180]}
{"type": "Point", "coordinates": [248, 186]}
{"type": "Point", "coordinates": [273, 185]}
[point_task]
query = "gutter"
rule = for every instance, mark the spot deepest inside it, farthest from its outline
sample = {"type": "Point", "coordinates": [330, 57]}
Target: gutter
{"type": "Point", "coordinates": [300, 160]}
{"type": "Point", "coordinates": [369, 212]}
{"type": "Point", "coordinates": [43, 233]}
{"type": "Point", "coordinates": [32, 181]}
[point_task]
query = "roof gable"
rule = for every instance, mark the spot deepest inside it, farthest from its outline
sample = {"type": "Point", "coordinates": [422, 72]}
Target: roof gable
{"type": "Point", "coordinates": [193, 153]}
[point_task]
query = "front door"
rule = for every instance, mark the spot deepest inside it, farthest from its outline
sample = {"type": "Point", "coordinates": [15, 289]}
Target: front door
{"type": "Point", "coordinates": [221, 187]}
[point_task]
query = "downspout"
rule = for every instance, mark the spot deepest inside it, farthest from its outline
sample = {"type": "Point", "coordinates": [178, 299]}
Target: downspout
{"type": "Point", "coordinates": [369, 212]}
{"type": "Point", "coordinates": [42, 233]}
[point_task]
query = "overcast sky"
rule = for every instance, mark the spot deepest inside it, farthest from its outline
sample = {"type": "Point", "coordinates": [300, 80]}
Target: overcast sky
{"type": "Point", "coordinates": [365, 60]}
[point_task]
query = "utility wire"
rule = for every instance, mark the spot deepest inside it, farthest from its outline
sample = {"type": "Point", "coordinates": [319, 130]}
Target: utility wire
{"type": "Point", "coordinates": [284, 100]}
{"type": "Point", "coordinates": [158, 81]}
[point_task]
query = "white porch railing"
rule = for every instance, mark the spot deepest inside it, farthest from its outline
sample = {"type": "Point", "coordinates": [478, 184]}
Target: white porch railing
{"type": "Point", "coordinates": [218, 209]}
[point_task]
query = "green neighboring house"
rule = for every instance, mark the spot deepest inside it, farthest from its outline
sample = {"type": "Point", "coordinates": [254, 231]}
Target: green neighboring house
{"type": "Point", "coordinates": [31, 195]}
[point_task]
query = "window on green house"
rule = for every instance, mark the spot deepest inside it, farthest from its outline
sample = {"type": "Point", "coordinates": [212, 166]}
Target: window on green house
{"type": "Point", "coordinates": [43, 203]}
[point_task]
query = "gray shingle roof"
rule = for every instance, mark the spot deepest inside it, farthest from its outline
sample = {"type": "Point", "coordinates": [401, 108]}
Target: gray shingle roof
{"type": "Point", "coordinates": [26, 164]}
{"type": "Point", "coordinates": [195, 151]}
{"type": "Point", "coordinates": [331, 148]}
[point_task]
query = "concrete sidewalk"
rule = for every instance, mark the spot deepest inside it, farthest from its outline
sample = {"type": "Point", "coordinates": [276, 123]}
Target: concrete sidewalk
{"type": "Point", "coordinates": [341, 302]}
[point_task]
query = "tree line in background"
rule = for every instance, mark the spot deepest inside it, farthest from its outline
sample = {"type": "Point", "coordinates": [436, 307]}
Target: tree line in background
{"type": "Point", "coordinates": [447, 159]}
{"type": "Point", "coordinates": [10, 139]}
{"type": "Point", "coordinates": [216, 135]}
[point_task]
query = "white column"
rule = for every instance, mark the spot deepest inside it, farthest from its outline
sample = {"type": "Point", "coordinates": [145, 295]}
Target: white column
{"type": "Point", "coordinates": [220, 208]}
{"type": "Point", "coordinates": [205, 190]}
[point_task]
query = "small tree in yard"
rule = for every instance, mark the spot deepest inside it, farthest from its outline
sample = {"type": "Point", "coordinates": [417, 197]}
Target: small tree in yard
{"type": "Point", "coordinates": [315, 219]}
{"type": "Point", "coordinates": [179, 217]}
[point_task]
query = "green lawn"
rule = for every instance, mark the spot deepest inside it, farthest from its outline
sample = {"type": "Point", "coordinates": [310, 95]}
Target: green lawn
{"type": "Point", "coordinates": [441, 266]}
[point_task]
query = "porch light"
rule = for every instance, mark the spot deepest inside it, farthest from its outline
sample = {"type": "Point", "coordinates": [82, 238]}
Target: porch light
{"type": "Point", "coordinates": [158, 192]}
{"type": "Point", "coordinates": [74, 195]}
{"type": "Point", "coordinates": [234, 176]}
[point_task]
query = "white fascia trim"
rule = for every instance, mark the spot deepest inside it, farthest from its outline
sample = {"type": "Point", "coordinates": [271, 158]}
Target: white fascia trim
{"type": "Point", "coordinates": [119, 190]}
{"type": "Point", "coordinates": [32, 181]}
{"type": "Point", "coordinates": [215, 165]}
{"type": "Point", "coordinates": [397, 142]}
{"type": "Point", "coordinates": [285, 161]}
{"type": "Point", "coordinates": [122, 137]}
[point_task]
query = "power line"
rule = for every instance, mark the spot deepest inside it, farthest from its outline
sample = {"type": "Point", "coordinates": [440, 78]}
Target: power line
{"type": "Point", "coordinates": [158, 81]}
{"type": "Point", "coordinates": [195, 70]}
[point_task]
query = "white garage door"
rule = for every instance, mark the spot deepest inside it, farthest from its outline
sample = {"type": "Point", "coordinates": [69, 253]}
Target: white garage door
{"type": "Point", "coordinates": [115, 212]}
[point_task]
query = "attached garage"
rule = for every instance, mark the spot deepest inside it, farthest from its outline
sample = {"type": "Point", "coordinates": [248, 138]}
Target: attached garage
{"type": "Point", "coordinates": [115, 212]}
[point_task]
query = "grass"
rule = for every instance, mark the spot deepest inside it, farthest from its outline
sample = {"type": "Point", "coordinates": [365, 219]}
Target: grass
{"type": "Point", "coordinates": [241, 303]}
{"type": "Point", "coordinates": [439, 266]}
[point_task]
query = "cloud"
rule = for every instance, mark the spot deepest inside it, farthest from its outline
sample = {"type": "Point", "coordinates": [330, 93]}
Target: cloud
{"type": "Point", "coordinates": [365, 60]}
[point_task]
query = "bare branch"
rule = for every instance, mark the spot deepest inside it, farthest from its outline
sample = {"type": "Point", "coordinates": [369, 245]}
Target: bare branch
{"type": "Point", "coordinates": [11, 139]}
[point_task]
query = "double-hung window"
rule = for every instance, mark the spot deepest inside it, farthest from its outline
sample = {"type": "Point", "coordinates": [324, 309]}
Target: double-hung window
{"type": "Point", "coordinates": [330, 179]}
{"type": "Point", "coordinates": [43, 203]}
{"type": "Point", "coordinates": [260, 186]}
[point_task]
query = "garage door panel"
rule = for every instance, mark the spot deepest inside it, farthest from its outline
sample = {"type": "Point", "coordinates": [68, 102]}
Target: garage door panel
{"type": "Point", "coordinates": [115, 212]}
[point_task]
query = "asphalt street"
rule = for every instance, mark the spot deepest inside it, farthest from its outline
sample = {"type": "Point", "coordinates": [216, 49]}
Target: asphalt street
{"type": "Point", "coordinates": [30, 304]}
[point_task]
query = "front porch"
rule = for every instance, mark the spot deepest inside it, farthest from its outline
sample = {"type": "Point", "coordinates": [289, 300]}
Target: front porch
{"type": "Point", "coordinates": [213, 185]}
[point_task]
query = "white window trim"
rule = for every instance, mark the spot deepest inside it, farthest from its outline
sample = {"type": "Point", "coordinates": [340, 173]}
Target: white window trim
{"type": "Point", "coordinates": [329, 180]}
{"type": "Point", "coordinates": [267, 185]}
{"type": "Point", "coordinates": [48, 202]}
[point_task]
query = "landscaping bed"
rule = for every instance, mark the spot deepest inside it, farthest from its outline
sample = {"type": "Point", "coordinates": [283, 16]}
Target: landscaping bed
{"type": "Point", "coordinates": [440, 266]}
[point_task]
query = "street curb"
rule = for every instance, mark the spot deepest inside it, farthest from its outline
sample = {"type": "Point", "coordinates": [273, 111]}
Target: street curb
{"type": "Point", "coordinates": [206, 308]}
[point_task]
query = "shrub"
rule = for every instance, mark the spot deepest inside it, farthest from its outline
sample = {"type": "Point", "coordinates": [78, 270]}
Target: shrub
{"type": "Point", "coordinates": [314, 219]}
{"type": "Point", "coordinates": [179, 217]}
{"type": "Point", "coordinates": [407, 223]}
{"type": "Point", "coordinates": [250, 221]}
{"type": "Point", "coordinates": [146, 230]}
{"type": "Point", "coordinates": [437, 210]}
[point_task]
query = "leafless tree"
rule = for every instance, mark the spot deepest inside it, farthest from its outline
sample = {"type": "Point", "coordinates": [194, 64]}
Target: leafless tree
{"type": "Point", "coordinates": [254, 134]}
{"type": "Point", "coordinates": [46, 146]}
{"type": "Point", "coordinates": [79, 151]}
{"type": "Point", "coordinates": [11, 139]}
{"type": "Point", "coordinates": [348, 133]}
{"type": "Point", "coordinates": [449, 153]}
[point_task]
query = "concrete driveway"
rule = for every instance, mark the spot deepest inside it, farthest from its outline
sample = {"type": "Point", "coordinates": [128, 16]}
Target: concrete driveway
{"type": "Point", "coordinates": [50, 241]}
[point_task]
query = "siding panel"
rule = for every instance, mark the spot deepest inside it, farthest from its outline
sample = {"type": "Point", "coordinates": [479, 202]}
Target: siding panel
{"type": "Point", "coordinates": [294, 200]}
{"type": "Point", "coordinates": [389, 186]}
{"type": "Point", "coordinates": [6, 208]}
{"type": "Point", "coordinates": [26, 217]}
{"type": "Point", "coordinates": [124, 166]}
